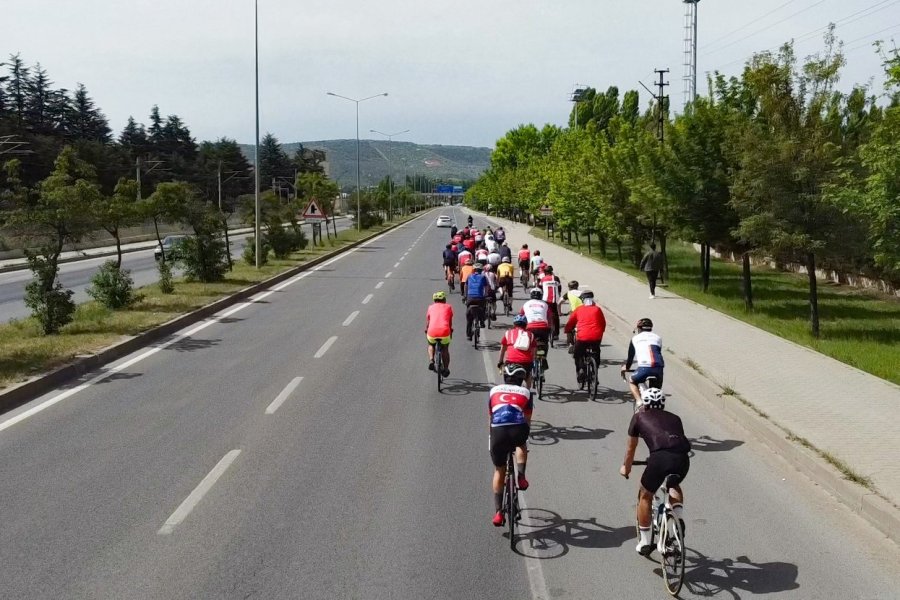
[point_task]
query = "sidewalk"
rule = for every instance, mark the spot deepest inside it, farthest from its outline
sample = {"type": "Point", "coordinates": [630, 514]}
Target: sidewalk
{"type": "Point", "coordinates": [837, 408]}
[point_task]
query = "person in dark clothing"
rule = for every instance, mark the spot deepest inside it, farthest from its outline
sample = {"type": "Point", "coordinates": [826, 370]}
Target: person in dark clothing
{"type": "Point", "coordinates": [651, 264]}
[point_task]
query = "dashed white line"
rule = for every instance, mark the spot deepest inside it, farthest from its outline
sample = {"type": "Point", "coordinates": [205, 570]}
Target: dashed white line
{"type": "Point", "coordinates": [397, 264]}
{"type": "Point", "coordinates": [185, 508]}
{"type": "Point", "coordinates": [402, 257]}
{"type": "Point", "coordinates": [367, 298]}
{"type": "Point", "coordinates": [349, 319]}
{"type": "Point", "coordinates": [388, 274]}
{"type": "Point", "coordinates": [378, 285]}
{"type": "Point", "coordinates": [285, 393]}
{"type": "Point", "coordinates": [321, 352]}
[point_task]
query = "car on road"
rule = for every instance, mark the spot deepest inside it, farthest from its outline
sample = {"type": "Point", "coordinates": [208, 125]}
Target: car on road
{"type": "Point", "coordinates": [444, 221]}
{"type": "Point", "coordinates": [170, 245]}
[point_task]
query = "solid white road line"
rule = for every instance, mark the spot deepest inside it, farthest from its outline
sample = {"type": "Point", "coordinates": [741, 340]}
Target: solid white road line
{"type": "Point", "coordinates": [378, 285]}
{"type": "Point", "coordinates": [321, 352]}
{"type": "Point", "coordinates": [349, 319]}
{"type": "Point", "coordinates": [367, 298]}
{"type": "Point", "coordinates": [280, 398]}
{"type": "Point", "coordinates": [185, 508]}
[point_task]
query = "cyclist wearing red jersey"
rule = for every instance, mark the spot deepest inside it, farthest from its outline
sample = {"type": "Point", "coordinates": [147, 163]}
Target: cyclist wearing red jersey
{"type": "Point", "coordinates": [518, 347]}
{"type": "Point", "coordinates": [551, 287]}
{"type": "Point", "coordinates": [439, 326]}
{"type": "Point", "coordinates": [524, 259]}
{"type": "Point", "coordinates": [589, 324]}
{"type": "Point", "coordinates": [509, 410]}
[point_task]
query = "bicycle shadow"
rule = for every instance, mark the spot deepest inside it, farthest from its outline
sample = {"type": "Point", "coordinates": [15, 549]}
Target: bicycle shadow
{"type": "Point", "coordinates": [463, 387]}
{"type": "Point", "coordinates": [707, 577]}
{"type": "Point", "coordinates": [704, 443]}
{"type": "Point", "coordinates": [544, 534]}
{"type": "Point", "coordinates": [545, 434]}
{"type": "Point", "coordinates": [556, 394]}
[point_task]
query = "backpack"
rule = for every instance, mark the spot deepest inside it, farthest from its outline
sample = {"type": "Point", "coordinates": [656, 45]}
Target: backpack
{"type": "Point", "coordinates": [523, 341]}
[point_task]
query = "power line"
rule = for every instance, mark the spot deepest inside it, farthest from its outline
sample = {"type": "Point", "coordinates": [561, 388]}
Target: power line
{"type": "Point", "coordinates": [746, 25]}
{"type": "Point", "coordinates": [788, 18]}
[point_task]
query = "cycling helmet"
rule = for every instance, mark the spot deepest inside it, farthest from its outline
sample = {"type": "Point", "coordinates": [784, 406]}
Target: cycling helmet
{"type": "Point", "coordinates": [520, 321]}
{"type": "Point", "coordinates": [548, 269]}
{"type": "Point", "coordinates": [653, 398]}
{"type": "Point", "coordinates": [514, 374]}
{"type": "Point", "coordinates": [587, 295]}
{"type": "Point", "coordinates": [479, 267]}
{"type": "Point", "coordinates": [536, 294]}
{"type": "Point", "coordinates": [439, 297]}
{"type": "Point", "coordinates": [573, 285]}
{"type": "Point", "coordinates": [524, 246]}
{"type": "Point", "coordinates": [644, 324]}
{"type": "Point", "coordinates": [469, 261]}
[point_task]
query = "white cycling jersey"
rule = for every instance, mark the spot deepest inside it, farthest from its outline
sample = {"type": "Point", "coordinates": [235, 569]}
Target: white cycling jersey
{"type": "Point", "coordinates": [536, 261]}
{"type": "Point", "coordinates": [494, 258]}
{"type": "Point", "coordinates": [647, 350]}
{"type": "Point", "coordinates": [535, 311]}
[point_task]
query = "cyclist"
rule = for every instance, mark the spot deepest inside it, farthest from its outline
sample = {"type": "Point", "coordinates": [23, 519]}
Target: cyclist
{"type": "Point", "coordinates": [467, 268]}
{"type": "Point", "coordinates": [464, 256]}
{"type": "Point", "coordinates": [479, 236]}
{"type": "Point", "coordinates": [551, 287]}
{"type": "Point", "coordinates": [490, 242]}
{"type": "Point", "coordinates": [491, 277]}
{"type": "Point", "coordinates": [450, 264]}
{"type": "Point", "coordinates": [505, 251]}
{"type": "Point", "coordinates": [439, 326]}
{"type": "Point", "coordinates": [536, 261]}
{"type": "Point", "coordinates": [494, 258]}
{"type": "Point", "coordinates": [664, 435]}
{"type": "Point", "coordinates": [505, 274]}
{"type": "Point", "coordinates": [518, 347]}
{"type": "Point", "coordinates": [645, 348]}
{"type": "Point", "coordinates": [469, 243]}
{"type": "Point", "coordinates": [469, 222]}
{"type": "Point", "coordinates": [453, 230]}
{"type": "Point", "coordinates": [500, 235]}
{"type": "Point", "coordinates": [573, 297]}
{"type": "Point", "coordinates": [481, 254]}
{"type": "Point", "coordinates": [524, 260]}
{"type": "Point", "coordinates": [588, 323]}
{"type": "Point", "coordinates": [477, 290]}
{"type": "Point", "coordinates": [536, 313]}
{"type": "Point", "coordinates": [509, 408]}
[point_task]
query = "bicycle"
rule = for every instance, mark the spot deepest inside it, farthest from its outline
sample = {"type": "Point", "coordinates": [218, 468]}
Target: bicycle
{"type": "Point", "coordinates": [510, 503]}
{"type": "Point", "coordinates": [451, 278]}
{"type": "Point", "coordinates": [667, 533]}
{"type": "Point", "coordinates": [523, 278]}
{"type": "Point", "coordinates": [476, 329]}
{"type": "Point", "coordinates": [438, 363]}
{"type": "Point", "coordinates": [506, 297]}
{"type": "Point", "coordinates": [590, 365]}
{"type": "Point", "coordinates": [491, 309]}
{"type": "Point", "coordinates": [539, 356]}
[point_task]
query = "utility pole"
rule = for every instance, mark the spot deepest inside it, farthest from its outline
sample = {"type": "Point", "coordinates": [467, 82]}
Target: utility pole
{"type": "Point", "coordinates": [662, 102]}
{"type": "Point", "coordinates": [690, 51]}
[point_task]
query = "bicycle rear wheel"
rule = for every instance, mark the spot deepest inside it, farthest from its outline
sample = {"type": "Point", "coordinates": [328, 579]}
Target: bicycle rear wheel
{"type": "Point", "coordinates": [438, 364]}
{"type": "Point", "coordinates": [590, 373]}
{"type": "Point", "coordinates": [512, 504]}
{"type": "Point", "coordinates": [672, 557]}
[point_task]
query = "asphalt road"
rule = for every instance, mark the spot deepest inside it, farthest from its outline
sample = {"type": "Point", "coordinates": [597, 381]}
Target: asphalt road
{"type": "Point", "coordinates": [203, 468]}
{"type": "Point", "coordinates": [77, 275]}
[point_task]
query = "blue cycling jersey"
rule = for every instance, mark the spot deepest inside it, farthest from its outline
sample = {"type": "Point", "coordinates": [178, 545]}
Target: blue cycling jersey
{"type": "Point", "coordinates": [477, 286]}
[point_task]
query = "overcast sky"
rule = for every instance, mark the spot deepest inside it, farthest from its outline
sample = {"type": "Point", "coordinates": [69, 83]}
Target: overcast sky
{"type": "Point", "coordinates": [457, 72]}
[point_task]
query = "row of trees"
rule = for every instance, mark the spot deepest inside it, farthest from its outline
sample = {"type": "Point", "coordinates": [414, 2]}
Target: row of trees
{"type": "Point", "coordinates": [776, 162]}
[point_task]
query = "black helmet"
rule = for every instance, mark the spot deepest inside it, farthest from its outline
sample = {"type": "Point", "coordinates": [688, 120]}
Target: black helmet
{"type": "Point", "coordinates": [644, 324]}
{"type": "Point", "coordinates": [514, 374]}
{"type": "Point", "coordinates": [548, 270]}
{"type": "Point", "coordinates": [573, 285]}
{"type": "Point", "coordinates": [587, 295]}
{"type": "Point", "coordinates": [536, 294]}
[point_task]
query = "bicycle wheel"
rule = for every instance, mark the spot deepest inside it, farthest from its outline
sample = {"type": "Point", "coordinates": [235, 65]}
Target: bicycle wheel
{"type": "Point", "coordinates": [590, 374]}
{"type": "Point", "coordinates": [672, 557]}
{"type": "Point", "coordinates": [539, 381]}
{"type": "Point", "coordinates": [438, 364]}
{"type": "Point", "coordinates": [512, 505]}
{"type": "Point", "coordinates": [476, 333]}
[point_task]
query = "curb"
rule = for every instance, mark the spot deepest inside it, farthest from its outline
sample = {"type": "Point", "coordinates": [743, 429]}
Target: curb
{"type": "Point", "coordinates": [22, 393]}
{"type": "Point", "coordinates": [872, 507]}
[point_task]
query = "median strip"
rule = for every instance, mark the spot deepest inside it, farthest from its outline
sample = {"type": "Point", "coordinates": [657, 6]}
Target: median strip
{"type": "Point", "coordinates": [185, 508]}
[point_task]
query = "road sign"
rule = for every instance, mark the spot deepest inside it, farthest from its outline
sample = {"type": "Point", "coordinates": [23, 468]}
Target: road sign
{"type": "Point", "coordinates": [443, 189]}
{"type": "Point", "coordinates": [546, 211]}
{"type": "Point", "coordinates": [313, 212]}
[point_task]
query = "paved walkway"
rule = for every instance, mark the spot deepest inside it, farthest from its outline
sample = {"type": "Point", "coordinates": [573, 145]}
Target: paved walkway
{"type": "Point", "coordinates": [839, 409]}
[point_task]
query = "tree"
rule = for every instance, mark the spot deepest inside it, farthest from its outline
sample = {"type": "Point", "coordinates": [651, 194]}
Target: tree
{"type": "Point", "coordinates": [17, 90]}
{"type": "Point", "coordinates": [273, 161]}
{"type": "Point", "coordinates": [85, 121]}
{"type": "Point", "coordinates": [117, 211]}
{"type": "Point", "coordinates": [134, 138]}
{"type": "Point", "coordinates": [202, 255]}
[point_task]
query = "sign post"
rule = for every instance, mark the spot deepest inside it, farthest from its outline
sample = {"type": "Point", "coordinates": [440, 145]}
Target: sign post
{"type": "Point", "coordinates": [314, 215]}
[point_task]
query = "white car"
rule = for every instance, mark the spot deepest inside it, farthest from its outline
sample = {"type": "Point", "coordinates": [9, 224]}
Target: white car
{"type": "Point", "coordinates": [444, 221]}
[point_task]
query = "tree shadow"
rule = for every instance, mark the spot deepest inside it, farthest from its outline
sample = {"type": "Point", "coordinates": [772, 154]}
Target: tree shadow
{"type": "Point", "coordinates": [229, 320]}
{"type": "Point", "coordinates": [192, 344]}
{"type": "Point", "coordinates": [464, 387]}
{"type": "Point", "coordinates": [544, 534]}
{"type": "Point", "coordinates": [704, 443]}
{"type": "Point", "coordinates": [707, 577]}
{"type": "Point", "coordinates": [545, 434]}
{"type": "Point", "coordinates": [119, 377]}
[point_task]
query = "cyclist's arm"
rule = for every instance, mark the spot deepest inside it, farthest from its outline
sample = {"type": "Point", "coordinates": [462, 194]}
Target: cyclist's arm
{"type": "Point", "coordinates": [573, 320]}
{"type": "Point", "coordinates": [502, 352]}
{"type": "Point", "coordinates": [630, 358]}
{"type": "Point", "coordinates": [630, 447]}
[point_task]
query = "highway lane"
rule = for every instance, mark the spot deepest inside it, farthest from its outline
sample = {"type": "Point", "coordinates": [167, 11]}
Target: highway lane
{"type": "Point", "coordinates": [77, 275]}
{"type": "Point", "coordinates": [364, 482]}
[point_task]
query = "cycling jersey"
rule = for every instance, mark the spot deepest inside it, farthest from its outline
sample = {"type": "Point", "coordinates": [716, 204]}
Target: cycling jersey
{"type": "Point", "coordinates": [574, 298]}
{"type": "Point", "coordinates": [439, 320]}
{"type": "Point", "coordinates": [491, 244]}
{"type": "Point", "coordinates": [505, 270]}
{"type": "Point", "coordinates": [449, 257]}
{"type": "Point", "coordinates": [465, 271]}
{"type": "Point", "coordinates": [479, 238]}
{"type": "Point", "coordinates": [481, 254]}
{"type": "Point", "coordinates": [509, 405]}
{"type": "Point", "coordinates": [494, 259]}
{"type": "Point", "coordinates": [524, 256]}
{"type": "Point", "coordinates": [500, 235]}
{"type": "Point", "coordinates": [477, 287]}
{"type": "Point", "coordinates": [492, 280]}
{"type": "Point", "coordinates": [505, 252]}
{"type": "Point", "coordinates": [661, 430]}
{"type": "Point", "coordinates": [550, 286]}
{"type": "Point", "coordinates": [513, 354]}
{"type": "Point", "coordinates": [536, 262]}
{"type": "Point", "coordinates": [464, 256]}
{"type": "Point", "coordinates": [589, 321]}
{"type": "Point", "coordinates": [535, 312]}
{"type": "Point", "coordinates": [469, 243]}
{"type": "Point", "coordinates": [457, 239]}
{"type": "Point", "coordinates": [646, 349]}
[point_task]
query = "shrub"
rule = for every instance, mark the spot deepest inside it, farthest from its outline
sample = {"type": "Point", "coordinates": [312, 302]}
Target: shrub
{"type": "Point", "coordinates": [203, 258]}
{"type": "Point", "coordinates": [49, 302]}
{"type": "Point", "coordinates": [299, 240]}
{"type": "Point", "coordinates": [166, 286]}
{"type": "Point", "coordinates": [249, 253]}
{"type": "Point", "coordinates": [280, 239]}
{"type": "Point", "coordinates": [112, 287]}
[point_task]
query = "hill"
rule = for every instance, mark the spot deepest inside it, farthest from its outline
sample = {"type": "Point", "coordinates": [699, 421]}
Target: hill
{"type": "Point", "coordinates": [377, 158]}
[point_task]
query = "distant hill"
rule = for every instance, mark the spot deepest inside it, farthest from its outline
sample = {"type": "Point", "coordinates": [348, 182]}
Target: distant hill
{"type": "Point", "coordinates": [379, 157]}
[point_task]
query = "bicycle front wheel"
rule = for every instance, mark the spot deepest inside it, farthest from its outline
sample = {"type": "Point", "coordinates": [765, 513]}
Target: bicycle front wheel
{"type": "Point", "coordinates": [512, 504]}
{"type": "Point", "coordinates": [672, 557]}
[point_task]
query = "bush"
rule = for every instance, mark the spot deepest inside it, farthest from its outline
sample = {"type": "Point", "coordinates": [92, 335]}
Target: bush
{"type": "Point", "coordinates": [50, 304]}
{"type": "Point", "coordinates": [166, 286]}
{"type": "Point", "coordinates": [249, 253]}
{"type": "Point", "coordinates": [370, 219]}
{"type": "Point", "coordinates": [203, 258]}
{"type": "Point", "coordinates": [281, 240]}
{"type": "Point", "coordinates": [112, 287]}
{"type": "Point", "coordinates": [299, 240]}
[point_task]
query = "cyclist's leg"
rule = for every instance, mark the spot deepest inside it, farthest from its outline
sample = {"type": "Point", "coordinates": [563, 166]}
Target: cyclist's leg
{"type": "Point", "coordinates": [430, 345]}
{"type": "Point", "coordinates": [445, 354]}
{"type": "Point", "coordinates": [580, 348]}
{"type": "Point", "coordinates": [470, 312]}
{"type": "Point", "coordinates": [498, 450]}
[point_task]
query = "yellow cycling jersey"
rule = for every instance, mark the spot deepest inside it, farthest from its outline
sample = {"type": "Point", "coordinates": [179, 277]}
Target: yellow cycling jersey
{"type": "Point", "coordinates": [505, 270]}
{"type": "Point", "coordinates": [574, 297]}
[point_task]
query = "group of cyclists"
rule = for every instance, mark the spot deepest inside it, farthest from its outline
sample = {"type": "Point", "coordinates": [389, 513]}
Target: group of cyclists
{"type": "Point", "coordinates": [482, 260]}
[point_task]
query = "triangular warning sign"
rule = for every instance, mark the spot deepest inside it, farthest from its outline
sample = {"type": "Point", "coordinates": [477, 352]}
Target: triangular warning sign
{"type": "Point", "coordinates": [313, 212]}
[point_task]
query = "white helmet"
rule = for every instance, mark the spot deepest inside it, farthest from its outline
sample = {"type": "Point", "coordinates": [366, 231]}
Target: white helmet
{"type": "Point", "coordinates": [653, 398]}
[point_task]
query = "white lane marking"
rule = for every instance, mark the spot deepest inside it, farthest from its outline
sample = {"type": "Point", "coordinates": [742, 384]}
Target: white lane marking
{"type": "Point", "coordinates": [402, 257]}
{"type": "Point", "coordinates": [291, 281]}
{"type": "Point", "coordinates": [285, 393]}
{"type": "Point", "coordinates": [321, 352]}
{"type": "Point", "coordinates": [378, 285]}
{"type": "Point", "coordinates": [397, 264]}
{"type": "Point", "coordinates": [388, 274]}
{"type": "Point", "coordinates": [367, 298]}
{"type": "Point", "coordinates": [532, 565]}
{"type": "Point", "coordinates": [185, 508]}
{"type": "Point", "coordinates": [349, 319]}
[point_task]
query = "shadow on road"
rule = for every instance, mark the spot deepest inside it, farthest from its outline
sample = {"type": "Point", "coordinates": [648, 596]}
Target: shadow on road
{"type": "Point", "coordinates": [704, 443]}
{"type": "Point", "coordinates": [191, 344]}
{"type": "Point", "coordinates": [708, 577]}
{"type": "Point", "coordinates": [544, 534]}
{"type": "Point", "coordinates": [119, 377]}
{"type": "Point", "coordinates": [545, 434]}
{"type": "Point", "coordinates": [463, 387]}
{"type": "Point", "coordinates": [556, 394]}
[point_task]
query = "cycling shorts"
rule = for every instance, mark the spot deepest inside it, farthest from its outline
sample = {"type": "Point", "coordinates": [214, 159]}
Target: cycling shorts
{"type": "Point", "coordinates": [445, 341]}
{"type": "Point", "coordinates": [505, 439]}
{"type": "Point", "coordinates": [523, 264]}
{"type": "Point", "coordinates": [641, 374]}
{"type": "Point", "coordinates": [662, 463]}
{"type": "Point", "coordinates": [449, 262]}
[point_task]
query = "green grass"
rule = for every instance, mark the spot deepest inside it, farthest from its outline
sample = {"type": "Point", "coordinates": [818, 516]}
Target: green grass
{"type": "Point", "coordinates": [25, 352]}
{"type": "Point", "coordinates": [858, 327]}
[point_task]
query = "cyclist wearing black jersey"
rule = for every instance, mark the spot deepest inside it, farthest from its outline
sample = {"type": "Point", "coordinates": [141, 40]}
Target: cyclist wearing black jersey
{"type": "Point", "coordinates": [664, 435]}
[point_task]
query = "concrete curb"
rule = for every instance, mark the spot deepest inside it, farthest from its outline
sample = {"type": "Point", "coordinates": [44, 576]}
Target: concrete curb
{"type": "Point", "coordinates": [24, 392]}
{"type": "Point", "coordinates": [872, 507]}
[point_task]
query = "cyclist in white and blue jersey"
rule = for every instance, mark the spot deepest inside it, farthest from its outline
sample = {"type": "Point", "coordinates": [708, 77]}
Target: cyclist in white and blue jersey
{"type": "Point", "coordinates": [645, 349]}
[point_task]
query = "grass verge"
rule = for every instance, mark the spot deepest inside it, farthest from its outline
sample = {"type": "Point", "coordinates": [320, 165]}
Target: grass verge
{"type": "Point", "coordinates": [25, 352]}
{"type": "Point", "coordinates": [858, 327]}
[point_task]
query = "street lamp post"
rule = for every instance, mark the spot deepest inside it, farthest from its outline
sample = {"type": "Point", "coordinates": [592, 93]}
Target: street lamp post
{"type": "Point", "coordinates": [256, 231]}
{"type": "Point", "coordinates": [390, 137]}
{"type": "Point", "coordinates": [358, 188]}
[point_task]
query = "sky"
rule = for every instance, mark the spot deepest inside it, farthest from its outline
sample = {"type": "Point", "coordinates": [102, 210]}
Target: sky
{"type": "Point", "coordinates": [459, 73]}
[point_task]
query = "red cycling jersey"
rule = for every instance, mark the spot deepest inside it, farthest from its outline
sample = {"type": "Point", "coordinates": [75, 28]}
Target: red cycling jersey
{"type": "Point", "coordinates": [439, 320]}
{"type": "Point", "coordinates": [524, 255]}
{"type": "Point", "coordinates": [589, 322]}
{"type": "Point", "coordinates": [513, 354]}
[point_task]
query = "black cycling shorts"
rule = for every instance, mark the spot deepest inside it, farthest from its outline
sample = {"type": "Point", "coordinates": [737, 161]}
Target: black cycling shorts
{"type": "Point", "coordinates": [505, 439]}
{"type": "Point", "coordinates": [662, 463]}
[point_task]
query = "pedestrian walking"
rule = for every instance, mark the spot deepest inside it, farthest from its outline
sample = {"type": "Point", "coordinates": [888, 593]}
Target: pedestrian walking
{"type": "Point", "coordinates": [651, 264]}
